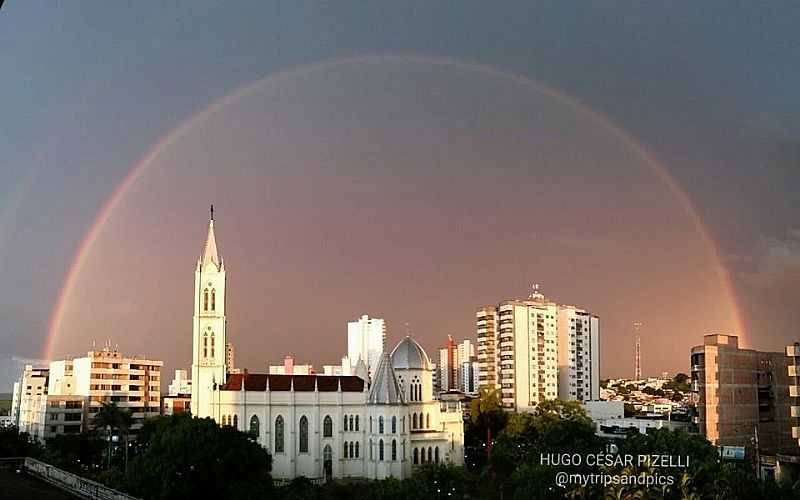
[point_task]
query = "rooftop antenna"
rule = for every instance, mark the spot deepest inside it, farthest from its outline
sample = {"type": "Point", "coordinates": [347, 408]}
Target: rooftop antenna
{"type": "Point", "coordinates": [534, 291]}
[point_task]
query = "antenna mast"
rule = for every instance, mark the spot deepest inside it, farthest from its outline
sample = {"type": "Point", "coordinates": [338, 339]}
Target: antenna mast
{"type": "Point", "coordinates": [637, 367]}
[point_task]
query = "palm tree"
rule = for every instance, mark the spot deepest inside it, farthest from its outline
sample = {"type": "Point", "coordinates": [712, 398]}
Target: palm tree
{"type": "Point", "coordinates": [113, 418]}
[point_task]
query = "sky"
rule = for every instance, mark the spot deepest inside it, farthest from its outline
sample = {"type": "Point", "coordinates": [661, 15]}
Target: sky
{"type": "Point", "coordinates": [410, 161]}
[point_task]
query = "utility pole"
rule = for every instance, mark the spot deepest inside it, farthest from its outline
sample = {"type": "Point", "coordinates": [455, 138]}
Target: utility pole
{"type": "Point", "coordinates": [637, 366]}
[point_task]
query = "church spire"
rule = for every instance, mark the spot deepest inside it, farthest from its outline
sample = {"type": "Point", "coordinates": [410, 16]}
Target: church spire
{"type": "Point", "coordinates": [210, 253]}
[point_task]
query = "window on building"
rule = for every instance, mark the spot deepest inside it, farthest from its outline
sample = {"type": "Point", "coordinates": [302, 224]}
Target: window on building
{"type": "Point", "coordinates": [380, 450]}
{"type": "Point", "coordinates": [356, 449]}
{"type": "Point", "coordinates": [414, 421]}
{"type": "Point", "coordinates": [212, 344]}
{"type": "Point", "coordinates": [279, 434]}
{"type": "Point", "coordinates": [436, 455]}
{"type": "Point", "coordinates": [416, 456]}
{"type": "Point", "coordinates": [351, 422]}
{"type": "Point", "coordinates": [356, 423]}
{"type": "Point", "coordinates": [380, 424]}
{"type": "Point", "coordinates": [236, 422]}
{"type": "Point", "coordinates": [394, 449]}
{"type": "Point", "coordinates": [345, 449]}
{"type": "Point", "coordinates": [403, 424]}
{"type": "Point", "coordinates": [370, 450]}
{"type": "Point", "coordinates": [205, 299]}
{"type": "Point", "coordinates": [205, 345]}
{"type": "Point", "coordinates": [430, 454]}
{"type": "Point", "coordinates": [394, 425]}
{"type": "Point", "coordinates": [213, 300]}
{"type": "Point", "coordinates": [428, 421]}
{"type": "Point", "coordinates": [351, 449]}
{"type": "Point", "coordinates": [303, 434]}
{"type": "Point", "coordinates": [327, 427]}
{"type": "Point", "coordinates": [344, 423]}
{"type": "Point", "coordinates": [254, 426]}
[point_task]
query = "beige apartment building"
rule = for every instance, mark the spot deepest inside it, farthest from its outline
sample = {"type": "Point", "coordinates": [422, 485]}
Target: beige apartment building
{"type": "Point", "coordinates": [63, 398]}
{"type": "Point", "coordinates": [742, 395]}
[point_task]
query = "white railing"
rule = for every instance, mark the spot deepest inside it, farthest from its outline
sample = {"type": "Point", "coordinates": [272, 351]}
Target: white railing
{"type": "Point", "coordinates": [85, 488]}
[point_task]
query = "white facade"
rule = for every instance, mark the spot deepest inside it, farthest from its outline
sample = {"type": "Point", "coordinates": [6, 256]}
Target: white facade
{"type": "Point", "coordinates": [335, 426]}
{"type": "Point", "coordinates": [366, 339]}
{"type": "Point", "coordinates": [209, 340]}
{"type": "Point", "coordinates": [534, 349]}
{"type": "Point", "coordinates": [29, 400]}
{"type": "Point", "coordinates": [181, 384]}
{"type": "Point", "coordinates": [578, 355]}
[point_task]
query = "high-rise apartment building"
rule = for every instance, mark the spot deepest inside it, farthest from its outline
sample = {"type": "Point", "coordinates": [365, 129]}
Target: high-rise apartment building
{"type": "Point", "coordinates": [29, 399]}
{"type": "Point", "coordinates": [793, 370]}
{"type": "Point", "coordinates": [65, 397]}
{"type": "Point", "coordinates": [451, 360]}
{"type": "Point", "coordinates": [742, 394]}
{"type": "Point", "coordinates": [366, 338]}
{"type": "Point", "coordinates": [578, 355]}
{"type": "Point", "coordinates": [533, 349]}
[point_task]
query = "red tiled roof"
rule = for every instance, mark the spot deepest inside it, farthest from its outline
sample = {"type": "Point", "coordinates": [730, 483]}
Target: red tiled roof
{"type": "Point", "coordinates": [301, 383]}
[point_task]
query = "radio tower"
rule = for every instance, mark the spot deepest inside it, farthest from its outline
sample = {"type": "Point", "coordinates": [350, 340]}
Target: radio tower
{"type": "Point", "coordinates": [637, 367]}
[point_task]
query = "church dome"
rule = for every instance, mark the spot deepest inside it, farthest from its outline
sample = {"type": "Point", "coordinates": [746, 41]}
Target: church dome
{"type": "Point", "coordinates": [408, 354]}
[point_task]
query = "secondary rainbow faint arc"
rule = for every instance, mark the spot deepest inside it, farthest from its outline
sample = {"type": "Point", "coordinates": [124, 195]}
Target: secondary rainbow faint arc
{"type": "Point", "coordinates": [113, 200]}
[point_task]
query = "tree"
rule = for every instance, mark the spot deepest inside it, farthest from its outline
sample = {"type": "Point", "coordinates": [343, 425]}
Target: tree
{"type": "Point", "coordinates": [17, 444]}
{"type": "Point", "coordinates": [118, 421]}
{"type": "Point", "coordinates": [185, 457]}
{"type": "Point", "coordinates": [75, 452]}
{"type": "Point", "coordinates": [487, 419]}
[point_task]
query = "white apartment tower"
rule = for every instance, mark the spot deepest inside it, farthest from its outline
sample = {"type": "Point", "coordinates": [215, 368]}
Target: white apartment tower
{"type": "Point", "coordinates": [578, 354]}
{"type": "Point", "coordinates": [209, 342]}
{"type": "Point", "coordinates": [532, 350]}
{"type": "Point", "coordinates": [366, 338]}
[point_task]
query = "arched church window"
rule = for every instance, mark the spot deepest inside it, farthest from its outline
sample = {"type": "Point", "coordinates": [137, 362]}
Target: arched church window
{"type": "Point", "coordinates": [303, 434]}
{"type": "Point", "coordinates": [279, 434]}
{"type": "Point", "coordinates": [436, 455]}
{"type": "Point", "coordinates": [351, 426]}
{"type": "Point", "coordinates": [422, 455]}
{"type": "Point", "coordinates": [254, 426]}
{"type": "Point", "coordinates": [403, 424]}
{"type": "Point", "coordinates": [205, 299]}
{"type": "Point", "coordinates": [327, 427]}
{"type": "Point", "coordinates": [394, 425]}
{"type": "Point", "coordinates": [394, 449]}
{"type": "Point", "coordinates": [212, 344]}
{"type": "Point", "coordinates": [414, 421]}
{"type": "Point", "coordinates": [428, 421]}
{"type": "Point", "coordinates": [351, 450]}
{"type": "Point", "coordinates": [345, 449]}
{"type": "Point", "coordinates": [213, 299]}
{"type": "Point", "coordinates": [370, 426]}
{"type": "Point", "coordinates": [380, 450]}
{"type": "Point", "coordinates": [351, 422]}
{"type": "Point", "coordinates": [380, 424]}
{"type": "Point", "coordinates": [344, 424]}
{"type": "Point", "coordinates": [356, 449]}
{"type": "Point", "coordinates": [205, 345]}
{"type": "Point", "coordinates": [416, 456]}
{"type": "Point", "coordinates": [236, 422]}
{"type": "Point", "coordinates": [370, 450]}
{"type": "Point", "coordinates": [430, 454]}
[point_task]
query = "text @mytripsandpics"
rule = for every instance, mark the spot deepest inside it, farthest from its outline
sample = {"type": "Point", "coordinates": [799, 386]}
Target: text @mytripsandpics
{"type": "Point", "coordinates": [639, 470]}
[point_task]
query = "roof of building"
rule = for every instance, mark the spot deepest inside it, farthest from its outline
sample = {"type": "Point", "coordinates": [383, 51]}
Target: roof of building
{"type": "Point", "coordinates": [300, 383]}
{"type": "Point", "coordinates": [385, 389]}
{"type": "Point", "coordinates": [210, 253]}
{"type": "Point", "coordinates": [409, 354]}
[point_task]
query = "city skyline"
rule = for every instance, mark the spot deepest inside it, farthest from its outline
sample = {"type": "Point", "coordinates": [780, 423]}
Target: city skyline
{"type": "Point", "coordinates": [399, 173]}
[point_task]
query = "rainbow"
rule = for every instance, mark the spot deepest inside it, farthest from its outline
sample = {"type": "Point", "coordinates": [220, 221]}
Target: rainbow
{"type": "Point", "coordinates": [145, 161]}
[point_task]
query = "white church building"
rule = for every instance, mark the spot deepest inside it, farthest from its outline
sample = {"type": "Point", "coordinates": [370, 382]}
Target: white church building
{"type": "Point", "coordinates": [322, 426]}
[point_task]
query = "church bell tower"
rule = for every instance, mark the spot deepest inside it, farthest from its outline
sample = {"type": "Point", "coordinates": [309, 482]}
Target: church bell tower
{"type": "Point", "coordinates": [209, 339]}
